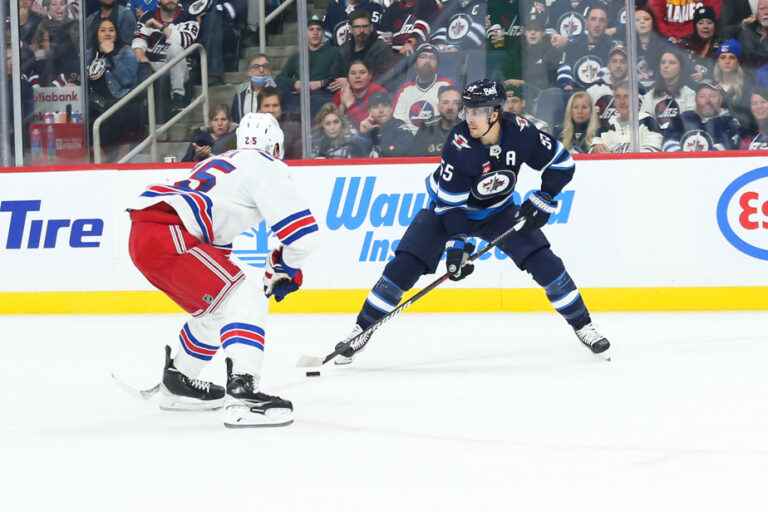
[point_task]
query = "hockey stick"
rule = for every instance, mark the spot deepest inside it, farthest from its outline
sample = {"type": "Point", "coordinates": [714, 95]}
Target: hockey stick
{"type": "Point", "coordinates": [306, 361]}
{"type": "Point", "coordinates": [145, 394]}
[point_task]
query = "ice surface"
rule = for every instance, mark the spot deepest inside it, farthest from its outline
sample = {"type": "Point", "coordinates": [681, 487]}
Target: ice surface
{"type": "Point", "coordinates": [482, 412]}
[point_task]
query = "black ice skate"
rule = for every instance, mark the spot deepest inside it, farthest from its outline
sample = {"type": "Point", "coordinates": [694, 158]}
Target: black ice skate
{"type": "Point", "coordinates": [247, 407]}
{"type": "Point", "coordinates": [348, 355]}
{"type": "Point", "coordinates": [181, 393]}
{"type": "Point", "coordinates": [594, 341]}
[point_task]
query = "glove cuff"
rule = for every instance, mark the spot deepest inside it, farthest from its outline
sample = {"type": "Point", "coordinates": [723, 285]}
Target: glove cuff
{"type": "Point", "coordinates": [457, 242]}
{"type": "Point", "coordinates": [543, 201]}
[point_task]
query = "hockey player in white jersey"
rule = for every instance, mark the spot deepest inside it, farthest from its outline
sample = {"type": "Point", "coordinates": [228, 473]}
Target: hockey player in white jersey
{"type": "Point", "coordinates": [181, 237]}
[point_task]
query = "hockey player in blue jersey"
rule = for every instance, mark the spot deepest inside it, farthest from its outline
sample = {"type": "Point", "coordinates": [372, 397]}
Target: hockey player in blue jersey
{"type": "Point", "coordinates": [471, 196]}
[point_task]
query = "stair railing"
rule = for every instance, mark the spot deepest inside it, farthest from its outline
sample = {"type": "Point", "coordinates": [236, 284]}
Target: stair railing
{"type": "Point", "coordinates": [265, 20]}
{"type": "Point", "coordinates": [154, 131]}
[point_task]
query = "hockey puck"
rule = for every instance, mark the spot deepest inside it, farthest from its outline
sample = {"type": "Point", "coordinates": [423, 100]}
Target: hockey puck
{"type": "Point", "coordinates": [313, 374]}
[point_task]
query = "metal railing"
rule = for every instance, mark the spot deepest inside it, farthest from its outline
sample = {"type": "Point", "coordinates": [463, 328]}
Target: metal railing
{"type": "Point", "coordinates": [154, 131]}
{"type": "Point", "coordinates": [265, 20]}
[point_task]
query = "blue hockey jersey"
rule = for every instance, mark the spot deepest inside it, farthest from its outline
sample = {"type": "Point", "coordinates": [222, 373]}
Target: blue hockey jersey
{"type": "Point", "coordinates": [474, 181]}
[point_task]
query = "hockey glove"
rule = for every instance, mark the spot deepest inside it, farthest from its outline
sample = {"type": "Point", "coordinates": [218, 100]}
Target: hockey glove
{"type": "Point", "coordinates": [536, 211]}
{"type": "Point", "coordinates": [457, 253]}
{"type": "Point", "coordinates": [279, 278]}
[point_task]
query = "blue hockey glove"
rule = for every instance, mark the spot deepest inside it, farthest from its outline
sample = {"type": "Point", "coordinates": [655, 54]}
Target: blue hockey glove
{"type": "Point", "coordinates": [457, 253]}
{"type": "Point", "coordinates": [279, 278]}
{"type": "Point", "coordinates": [536, 211]}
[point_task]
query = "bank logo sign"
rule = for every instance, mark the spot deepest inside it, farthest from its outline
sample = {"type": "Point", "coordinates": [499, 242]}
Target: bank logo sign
{"type": "Point", "coordinates": [742, 213]}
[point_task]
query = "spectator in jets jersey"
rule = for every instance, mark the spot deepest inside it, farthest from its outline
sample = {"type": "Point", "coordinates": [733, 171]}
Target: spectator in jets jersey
{"type": "Point", "coordinates": [112, 71]}
{"type": "Point", "coordinates": [616, 137]}
{"type": "Point", "coordinates": [416, 100]}
{"type": "Point", "coordinates": [337, 18]}
{"type": "Point", "coordinates": [567, 20]}
{"type": "Point", "coordinates": [602, 91]}
{"type": "Point", "coordinates": [388, 136]}
{"type": "Point", "coordinates": [708, 127]}
{"type": "Point", "coordinates": [161, 35]}
{"type": "Point", "coordinates": [587, 54]}
{"type": "Point", "coordinates": [432, 135]}
{"type": "Point", "coordinates": [757, 139]}
{"type": "Point", "coordinates": [669, 95]}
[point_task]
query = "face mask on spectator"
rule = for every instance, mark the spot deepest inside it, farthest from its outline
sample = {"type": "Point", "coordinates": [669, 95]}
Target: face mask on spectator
{"type": "Point", "coordinates": [262, 81]}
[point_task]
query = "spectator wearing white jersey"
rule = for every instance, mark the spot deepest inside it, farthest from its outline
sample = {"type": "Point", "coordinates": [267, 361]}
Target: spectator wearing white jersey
{"type": "Point", "coordinates": [416, 100]}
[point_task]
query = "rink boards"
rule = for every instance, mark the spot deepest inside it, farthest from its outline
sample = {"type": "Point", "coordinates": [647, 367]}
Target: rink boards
{"type": "Point", "coordinates": [642, 233]}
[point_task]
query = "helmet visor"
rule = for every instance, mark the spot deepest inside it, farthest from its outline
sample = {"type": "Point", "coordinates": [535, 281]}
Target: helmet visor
{"type": "Point", "coordinates": [477, 112]}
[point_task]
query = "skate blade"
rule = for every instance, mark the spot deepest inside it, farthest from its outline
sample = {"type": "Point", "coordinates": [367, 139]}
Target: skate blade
{"type": "Point", "coordinates": [241, 417]}
{"type": "Point", "coordinates": [259, 425]}
{"type": "Point", "coordinates": [169, 402]}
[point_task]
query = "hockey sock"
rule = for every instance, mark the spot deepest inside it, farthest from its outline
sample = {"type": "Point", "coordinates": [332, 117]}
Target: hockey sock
{"type": "Point", "coordinates": [244, 344]}
{"type": "Point", "coordinates": [194, 353]}
{"type": "Point", "coordinates": [548, 270]}
{"type": "Point", "coordinates": [400, 275]}
{"type": "Point", "coordinates": [383, 298]}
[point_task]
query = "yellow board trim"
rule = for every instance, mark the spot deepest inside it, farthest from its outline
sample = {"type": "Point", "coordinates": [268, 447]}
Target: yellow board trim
{"type": "Point", "coordinates": [440, 300]}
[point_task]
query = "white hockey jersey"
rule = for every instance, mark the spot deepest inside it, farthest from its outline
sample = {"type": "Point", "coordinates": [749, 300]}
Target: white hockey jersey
{"type": "Point", "coordinates": [415, 105]}
{"type": "Point", "coordinates": [229, 193]}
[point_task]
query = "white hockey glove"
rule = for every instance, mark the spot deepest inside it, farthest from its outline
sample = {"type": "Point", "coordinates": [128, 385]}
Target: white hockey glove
{"type": "Point", "coordinates": [279, 278]}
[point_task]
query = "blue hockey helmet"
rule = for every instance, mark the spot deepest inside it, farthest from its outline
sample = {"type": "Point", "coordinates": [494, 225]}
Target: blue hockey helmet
{"type": "Point", "coordinates": [484, 93]}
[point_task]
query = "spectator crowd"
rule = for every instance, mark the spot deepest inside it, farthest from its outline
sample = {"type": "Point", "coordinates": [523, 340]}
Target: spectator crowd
{"type": "Point", "coordinates": [385, 76]}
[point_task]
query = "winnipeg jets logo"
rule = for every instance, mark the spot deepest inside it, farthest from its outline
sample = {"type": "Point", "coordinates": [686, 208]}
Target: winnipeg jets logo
{"type": "Point", "coordinates": [421, 111]}
{"type": "Point", "coordinates": [696, 140]}
{"type": "Point", "coordinates": [494, 184]}
{"type": "Point", "coordinates": [495, 151]}
{"type": "Point", "coordinates": [458, 27]}
{"type": "Point", "coordinates": [522, 122]}
{"type": "Point", "coordinates": [588, 69]}
{"type": "Point", "coordinates": [571, 24]}
{"type": "Point", "coordinates": [460, 142]}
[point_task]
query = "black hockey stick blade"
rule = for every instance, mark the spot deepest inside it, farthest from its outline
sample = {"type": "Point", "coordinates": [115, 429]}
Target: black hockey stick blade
{"type": "Point", "coordinates": [307, 361]}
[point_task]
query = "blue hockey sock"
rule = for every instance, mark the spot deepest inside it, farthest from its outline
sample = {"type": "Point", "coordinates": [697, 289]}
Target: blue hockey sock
{"type": "Point", "coordinates": [567, 301]}
{"type": "Point", "coordinates": [548, 270]}
{"type": "Point", "coordinates": [383, 298]}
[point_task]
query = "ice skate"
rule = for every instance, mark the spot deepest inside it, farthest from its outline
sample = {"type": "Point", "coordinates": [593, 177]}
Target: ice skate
{"type": "Point", "coordinates": [247, 407]}
{"type": "Point", "coordinates": [348, 355]}
{"type": "Point", "coordinates": [181, 393]}
{"type": "Point", "coordinates": [594, 341]}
